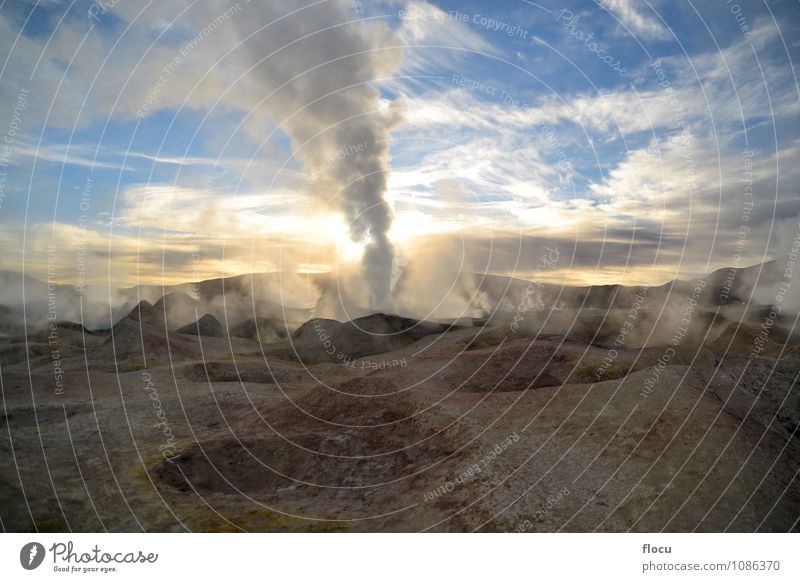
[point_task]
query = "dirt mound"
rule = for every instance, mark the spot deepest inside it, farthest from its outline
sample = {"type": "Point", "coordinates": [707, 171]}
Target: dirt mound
{"type": "Point", "coordinates": [180, 309]}
{"type": "Point", "coordinates": [243, 372]}
{"type": "Point", "coordinates": [130, 339]}
{"type": "Point", "coordinates": [317, 452]}
{"type": "Point", "coordinates": [264, 329]}
{"type": "Point", "coordinates": [272, 464]}
{"type": "Point", "coordinates": [65, 333]}
{"type": "Point", "coordinates": [327, 340]}
{"type": "Point", "coordinates": [517, 365]}
{"type": "Point", "coordinates": [757, 340]}
{"type": "Point", "coordinates": [64, 340]}
{"type": "Point", "coordinates": [522, 364]}
{"type": "Point", "coordinates": [18, 352]}
{"type": "Point", "coordinates": [144, 312]}
{"type": "Point", "coordinates": [207, 326]}
{"type": "Point", "coordinates": [651, 328]}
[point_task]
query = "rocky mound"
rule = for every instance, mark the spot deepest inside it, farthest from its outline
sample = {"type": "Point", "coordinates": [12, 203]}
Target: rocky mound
{"type": "Point", "coordinates": [206, 326]}
{"type": "Point", "coordinates": [327, 340]}
{"type": "Point", "coordinates": [264, 329]}
{"type": "Point", "coordinates": [33, 353]}
{"type": "Point", "coordinates": [144, 312]}
{"type": "Point", "coordinates": [521, 364]}
{"type": "Point", "coordinates": [142, 336]}
{"type": "Point", "coordinates": [311, 450]}
{"type": "Point", "coordinates": [180, 309]}
{"type": "Point", "coordinates": [64, 332]}
{"type": "Point", "coordinates": [131, 339]}
{"type": "Point", "coordinates": [257, 373]}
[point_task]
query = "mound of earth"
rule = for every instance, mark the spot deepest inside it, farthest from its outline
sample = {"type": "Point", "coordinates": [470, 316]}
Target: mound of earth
{"type": "Point", "coordinates": [259, 373]}
{"type": "Point", "coordinates": [650, 328]}
{"type": "Point", "coordinates": [263, 329]}
{"type": "Point", "coordinates": [144, 312]}
{"type": "Point", "coordinates": [272, 464]}
{"type": "Point", "coordinates": [359, 451]}
{"type": "Point", "coordinates": [180, 309]}
{"type": "Point", "coordinates": [207, 326]}
{"type": "Point", "coordinates": [327, 340]}
{"type": "Point", "coordinates": [131, 339]}
{"type": "Point", "coordinates": [34, 353]}
{"type": "Point", "coordinates": [47, 342]}
{"type": "Point", "coordinates": [756, 390]}
{"type": "Point", "coordinates": [520, 364]}
{"type": "Point", "coordinates": [65, 333]}
{"type": "Point", "coordinates": [755, 340]}
{"type": "Point", "coordinates": [143, 338]}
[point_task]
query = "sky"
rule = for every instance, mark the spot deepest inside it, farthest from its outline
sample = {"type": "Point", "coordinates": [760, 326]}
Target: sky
{"type": "Point", "coordinates": [164, 142]}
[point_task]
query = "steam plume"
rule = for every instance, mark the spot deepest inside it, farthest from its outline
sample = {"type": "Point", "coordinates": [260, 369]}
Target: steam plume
{"type": "Point", "coordinates": [317, 66]}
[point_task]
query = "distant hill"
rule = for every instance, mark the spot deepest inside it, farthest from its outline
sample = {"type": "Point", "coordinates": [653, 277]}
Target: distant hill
{"type": "Point", "coordinates": [178, 308]}
{"type": "Point", "coordinates": [264, 329]}
{"type": "Point", "coordinates": [249, 302]}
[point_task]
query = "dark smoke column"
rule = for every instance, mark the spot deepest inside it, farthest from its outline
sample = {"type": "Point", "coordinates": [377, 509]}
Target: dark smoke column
{"type": "Point", "coordinates": [317, 68]}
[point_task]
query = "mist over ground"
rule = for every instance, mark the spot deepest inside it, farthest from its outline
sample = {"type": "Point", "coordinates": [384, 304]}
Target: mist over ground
{"type": "Point", "coordinates": [400, 265]}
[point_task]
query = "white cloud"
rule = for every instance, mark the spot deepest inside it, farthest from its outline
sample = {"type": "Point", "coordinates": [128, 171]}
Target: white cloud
{"type": "Point", "coordinates": [201, 212]}
{"type": "Point", "coordinates": [478, 165]}
{"type": "Point", "coordinates": [428, 32]}
{"type": "Point", "coordinates": [630, 14]}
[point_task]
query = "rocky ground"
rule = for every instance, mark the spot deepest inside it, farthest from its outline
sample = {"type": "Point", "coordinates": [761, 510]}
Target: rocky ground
{"type": "Point", "coordinates": [388, 424]}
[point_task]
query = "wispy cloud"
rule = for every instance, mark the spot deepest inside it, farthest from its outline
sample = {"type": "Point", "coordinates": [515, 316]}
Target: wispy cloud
{"type": "Point", "coordinates": [631, 14]}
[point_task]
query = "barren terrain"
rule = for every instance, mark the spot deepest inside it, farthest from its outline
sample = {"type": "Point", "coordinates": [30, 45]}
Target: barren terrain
{"type": "Point", "coordinates": [176, 419]}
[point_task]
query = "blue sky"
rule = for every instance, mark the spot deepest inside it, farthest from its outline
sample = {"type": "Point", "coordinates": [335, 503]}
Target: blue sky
{"type": "Point", "coordinates": [510, 125]}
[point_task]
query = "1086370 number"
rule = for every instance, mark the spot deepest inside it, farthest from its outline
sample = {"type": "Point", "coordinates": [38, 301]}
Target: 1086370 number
{"type": "Point", "coordinates": [756, 565]}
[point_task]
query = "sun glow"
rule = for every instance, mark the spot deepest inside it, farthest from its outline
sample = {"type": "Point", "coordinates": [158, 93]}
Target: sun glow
{"type": "Point", "coordinates": [410, 225]}
{"type": "Point", "coordinates": [406, 228]}
{"type": "Point", "coordinates": [348, 250]}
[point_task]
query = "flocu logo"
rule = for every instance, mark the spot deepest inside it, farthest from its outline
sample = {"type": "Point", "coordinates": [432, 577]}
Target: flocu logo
{"type": "Point", "coordinates": [31, 555]}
